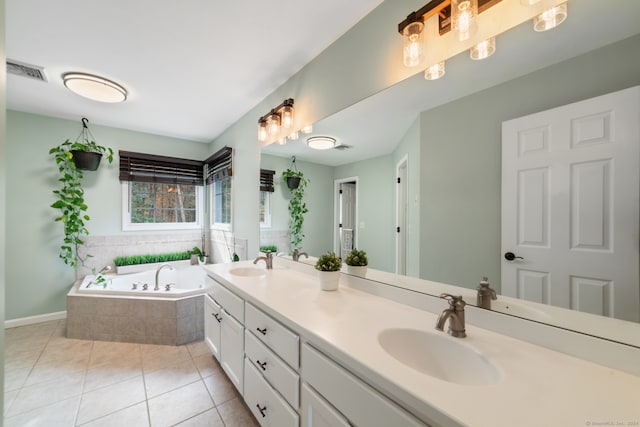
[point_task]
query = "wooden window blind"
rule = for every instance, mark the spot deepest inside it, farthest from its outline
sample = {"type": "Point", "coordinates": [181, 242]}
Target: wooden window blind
{"type": "Point", "coordinates": [266, 180]}
{"type": "Point", "coordinates": [142, 167]}
{"type": "Point", "coordinates": [219, 165]}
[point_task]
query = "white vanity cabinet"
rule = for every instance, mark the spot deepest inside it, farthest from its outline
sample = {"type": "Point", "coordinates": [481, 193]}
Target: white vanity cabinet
{"type": "Point", "coordinates": [272, 383]}
{"type": "Point", "coordinates": [317, 412]}
{"type": "Point", "coordinates": [341, 391]}
{"type": "Point", "coordinates": [226, 339]}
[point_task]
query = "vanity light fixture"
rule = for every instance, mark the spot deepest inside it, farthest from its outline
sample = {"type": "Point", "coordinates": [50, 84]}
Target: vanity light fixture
{"type": "Point", "coordinates": [484, 49]}
{"type": "Point", "coordinates": [550, 18]}
{"type": "Point", "coordinates": [307, 129]}
{"type": "Point", "coordinates": [321, 142]}
{"type": "Point", "coordinates": [280, 117]}
{"type": "Point", "coordinates": [94, 87]}
{"type": "Point", "coordinates": [435, 71]}
{"type": "Point", "coordinates": [463, 18]}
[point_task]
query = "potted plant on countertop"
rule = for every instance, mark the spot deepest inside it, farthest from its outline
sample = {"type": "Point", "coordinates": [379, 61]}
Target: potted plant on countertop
{"type": "Point", "coordinates": [202, 256]}
{"type": "Point", "coordinates": [328, 266]}
{"type": "Point", "coordinates": [71, 196]}
{"type": "Point", "coordinates": [356, 262]}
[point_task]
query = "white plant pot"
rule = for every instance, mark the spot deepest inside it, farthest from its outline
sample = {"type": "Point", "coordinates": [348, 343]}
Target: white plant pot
{"type": "Point", "coordinates": [357, 270]}
{"type": "Point", "coordinates": [329, 280]}
{"type": "Point", "coordinates": [202, 262]}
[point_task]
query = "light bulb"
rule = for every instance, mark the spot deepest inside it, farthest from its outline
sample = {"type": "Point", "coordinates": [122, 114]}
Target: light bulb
{"type": "Point", "coordinates": [412, 51]}
{"type": "Point", "coordinates": [307, 129]}
{"type": "Point", "coordinates": [293, 136]}
{"type": "Point", "coordinates": [282, 141]}
{"type": "Point", "coordinates": [262, 131]}
{"type": "Point", "coordinates": [550, 18]}
{"type": "Point", "coordinates": [273, 124]}
{"type": "Point", "coordinates": [463, 14]}
{"type": "Point", "coordinates": [484, 49]}
{"type": "Point", "coordinates": [435, 71]}
{"type": "Point", "coordinates": [287, 117]}
{"type": "Point", "coordinates": [529, 2]}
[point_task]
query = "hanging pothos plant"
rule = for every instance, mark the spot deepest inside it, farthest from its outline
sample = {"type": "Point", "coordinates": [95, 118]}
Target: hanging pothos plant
{"type": "Point", "coordinates": [71, 195]}
{"type": "Point", "coordinates": [297, 206]}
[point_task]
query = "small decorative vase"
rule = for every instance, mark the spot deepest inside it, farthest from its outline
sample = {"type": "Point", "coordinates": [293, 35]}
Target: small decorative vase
{"type": "Point", "coordinates": [357, 270]}
{"type": "Point", "coordinates": [202, 261]}
{"type": "Point", "coordinates": [329, 280]}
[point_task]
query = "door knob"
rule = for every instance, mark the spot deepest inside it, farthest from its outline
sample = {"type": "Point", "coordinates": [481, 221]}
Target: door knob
{"type": "Point", "coordinates": [510, 256]}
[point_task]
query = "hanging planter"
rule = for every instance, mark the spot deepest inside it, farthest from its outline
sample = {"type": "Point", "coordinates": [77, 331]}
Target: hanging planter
{"type": "Point", "coordinates": [297, 206]}
{"type": "Point", "coordinates": [86, 160]}
{"type": "Point", "coordinates": [293, 182]}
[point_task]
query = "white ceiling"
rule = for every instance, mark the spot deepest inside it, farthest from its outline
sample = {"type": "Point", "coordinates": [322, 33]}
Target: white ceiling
{"type": "Point", "coordinates": [192, 68]}
{"type": "Point", "coordinates": [375, 126]}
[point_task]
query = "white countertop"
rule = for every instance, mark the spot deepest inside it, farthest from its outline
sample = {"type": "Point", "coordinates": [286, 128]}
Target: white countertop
{"type": "Point", "coordinates": [539, 387]}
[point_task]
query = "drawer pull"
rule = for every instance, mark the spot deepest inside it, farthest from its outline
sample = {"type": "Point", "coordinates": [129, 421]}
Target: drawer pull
{"type": "Point", "coordinates": [263, 331]}
{"type": "Point", "coordinates": [262, 365]}
{"type": "Point", "coordinates": [217, 316]}
{"type": "Point", "coordinates": [262, 410]}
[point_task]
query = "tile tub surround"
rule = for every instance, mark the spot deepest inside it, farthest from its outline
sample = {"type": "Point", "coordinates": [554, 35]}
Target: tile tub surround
{"type": "Point", "coordinates": [51, 380]}
{"type": "Point", "coordinates": [136, 319]}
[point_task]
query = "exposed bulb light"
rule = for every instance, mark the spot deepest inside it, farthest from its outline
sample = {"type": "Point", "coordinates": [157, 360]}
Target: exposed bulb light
{"type": "Point", "coordinates": [321, 142]}
{"type": "Point", "coordinates": [273, 124]}
{"type": "Point", "coordinates": [412, 52]}
{"type": "Point", "coordinates": [484, 49]}
{"type": "Point", "coordinates": [282, 141]}
{"type": "Point", "coordinates": [262, 131]}
{"type": "Point", "coordinates": [307, 129]}
{"type": "Point", "coordinates": [550, 18]}
{"type": "Point", "coordinates": [435, 71]}
{"type": "Point", "coordinates": [94, 87]}
{"type": "Point", "coordinates": [463, 14]}
{"type": "Point", "coordinates": [287, 117]}
{"type": "Point", "coordinates": [529, 2]}
{"type": "Point", "coordinates": [294, 136]}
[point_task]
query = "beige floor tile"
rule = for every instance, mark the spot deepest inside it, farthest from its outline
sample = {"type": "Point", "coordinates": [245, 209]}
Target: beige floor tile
{"type": "Point", "coordinates": [65, 348]}
{"type": "Point", "coordinates": [47, 393]}
{"type": "Point", "coordinates": [235, 413]}
{"type": "Point", "coordinates": [156, 357]}
{"type": "Point", "coordinates": [9, 397]}
{"type": "Point", "coordinates": [112, 352]}
{"type": "Point", "coordinates": [198, 348]}
{"type": "Point", "coordinates": [211, 418]}
{"type": "Point", "coordinates": [133, 416]}
{"type": "Point", "coordinates": [220, 387]}
{"type": "Point", "coordinates": [169, 378]}
{"type": "Point", "coordinates": [15, 379]}
{"type": "Point", "coordinates": [178, 405]}
{"type": "Point", "coordinates": [103, 401]}
{"type": "Point", "coordinates": [111, 373]}
{"type": "Point", "coordinates": [207, 365]}
{"type": "Point", "coordinates": [60, 414]}
{"type": "Point", "coordinates": [47, 370]}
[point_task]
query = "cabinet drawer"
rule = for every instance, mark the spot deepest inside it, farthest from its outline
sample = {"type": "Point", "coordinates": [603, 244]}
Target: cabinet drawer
{"type": "Point", "coordinates": [272, 368]}
{"type": "Point", "coordinates": [276, 336]}
{"type": "Point", "coordinates": [265, 404]}
{"type": "Point", "coordinates": [317, 412]}
{"type": "Point", "coordinates": [212, 319]}
{"type": "Point", "coordinates": [233, 304]}
{"type": "Point", "coordinates": [232, 349]}
{"type": "Point", "coordinates": [360, 403]}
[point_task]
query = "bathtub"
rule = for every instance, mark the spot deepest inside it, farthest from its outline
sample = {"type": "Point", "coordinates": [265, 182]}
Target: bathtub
{"type": "Point", "coordinates": [114, 311]}
{"type": "Point", "coordinates": [183, 282]}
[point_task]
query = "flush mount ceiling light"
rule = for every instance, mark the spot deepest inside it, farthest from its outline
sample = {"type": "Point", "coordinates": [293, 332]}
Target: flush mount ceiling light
{"type": "Point", "coordinates": [321, 142]}
{"type": "Point", "coordinates": [94, 87]}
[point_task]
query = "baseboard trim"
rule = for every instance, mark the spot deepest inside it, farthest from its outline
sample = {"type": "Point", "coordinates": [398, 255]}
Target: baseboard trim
{"type": "Point", "coordinates": [14, 323]}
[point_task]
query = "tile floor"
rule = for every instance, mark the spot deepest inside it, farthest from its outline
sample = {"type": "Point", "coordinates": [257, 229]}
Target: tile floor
{"type": "Point", "coordinates": [51, 380]}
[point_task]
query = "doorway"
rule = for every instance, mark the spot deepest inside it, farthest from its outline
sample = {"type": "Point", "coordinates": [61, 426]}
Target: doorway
{"type": "Point", "coordinates": [402, 215]}
{"type": "Point", "coordinates": [346, 216]}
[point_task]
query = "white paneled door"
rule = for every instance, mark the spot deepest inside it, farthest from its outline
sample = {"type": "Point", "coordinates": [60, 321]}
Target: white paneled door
{"type": "Point", "coordinates": [570, 206]}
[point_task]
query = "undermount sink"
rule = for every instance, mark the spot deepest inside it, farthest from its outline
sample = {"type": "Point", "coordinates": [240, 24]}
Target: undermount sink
{"type": "Point", "coordinates": [248, 271]}
{"type": "Point", "coordinates": [439, 356]}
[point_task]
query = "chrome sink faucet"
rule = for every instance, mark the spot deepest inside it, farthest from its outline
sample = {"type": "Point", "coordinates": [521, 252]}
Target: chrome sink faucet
{"type": "Point", "coordinates": [455, 315]}
{"type": "Point", "coordinates": [268, 260]}
{"type": "Point", "coordinates": [156, 287]}
{"type": "Point", "coordinates": [297, 254]}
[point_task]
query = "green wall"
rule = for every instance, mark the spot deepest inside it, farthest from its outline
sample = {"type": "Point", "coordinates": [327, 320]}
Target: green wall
{"type": "Point", "coordinates": [461, 165]}
{"type": "Point", "coordinates": [3, 198]}
{"type": "Point", "coordinates": [33, 238]}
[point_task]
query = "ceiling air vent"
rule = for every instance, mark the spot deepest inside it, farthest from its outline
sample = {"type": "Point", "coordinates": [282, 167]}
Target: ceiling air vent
{"type": "Point", "coordinates": [26, 70]}
{"type": "Point", "coordinates": [343, 147]}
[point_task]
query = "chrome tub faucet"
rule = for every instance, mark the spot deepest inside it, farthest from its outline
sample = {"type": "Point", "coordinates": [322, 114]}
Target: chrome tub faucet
{"type": "Point", "coordinates": [455, 315]}
{"type": "Point", "coordinates": [157, 287]}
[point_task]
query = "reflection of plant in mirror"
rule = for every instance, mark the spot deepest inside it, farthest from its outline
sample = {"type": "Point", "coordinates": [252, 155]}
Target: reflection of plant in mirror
{"type": "Point", "coordinates": [328, 262]}
{"type": "Point", "coordinates": [356, 258]}
{"type": "Point", "coordinates": [272, 249]}
{"type": "Point", "coordinates": [297, 208]}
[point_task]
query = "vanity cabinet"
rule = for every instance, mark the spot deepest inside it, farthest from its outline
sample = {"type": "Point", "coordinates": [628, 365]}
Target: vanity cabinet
{"type": "Point", "coordinates": [317, 412]}
{"type": "Point", "coordinates": [224, 331]}
{"type": "Point", "coordinates": [355, 401]}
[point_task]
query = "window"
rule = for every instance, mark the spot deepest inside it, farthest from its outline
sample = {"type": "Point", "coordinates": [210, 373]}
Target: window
{"type": "Point", "coordinates": [266, 188]}
{"type": "Point", "coordinates": [219, 178]}
{"type": "Point", "coordinates": [160, 193]}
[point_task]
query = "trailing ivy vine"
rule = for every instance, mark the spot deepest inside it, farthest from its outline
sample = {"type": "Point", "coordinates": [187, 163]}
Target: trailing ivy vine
{"type": "Point", "coordinates": [297, 209]}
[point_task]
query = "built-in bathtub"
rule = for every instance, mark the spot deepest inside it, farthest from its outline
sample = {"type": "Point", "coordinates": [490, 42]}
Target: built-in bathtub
{"type": "Point", "coordinates": [122, 308]}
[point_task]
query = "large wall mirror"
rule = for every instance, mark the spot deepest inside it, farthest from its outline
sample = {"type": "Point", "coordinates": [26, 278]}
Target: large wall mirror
{"type": "Point", "coordinates": [444, 136]}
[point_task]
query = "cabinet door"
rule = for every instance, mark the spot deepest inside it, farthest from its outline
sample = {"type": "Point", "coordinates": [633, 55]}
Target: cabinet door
{"type": "Point", "coordinates": [212, 319]}
{"type": "Point", "coordinates": [232, 348]}
{"type": "Point", "coordinates": [317, 412]}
